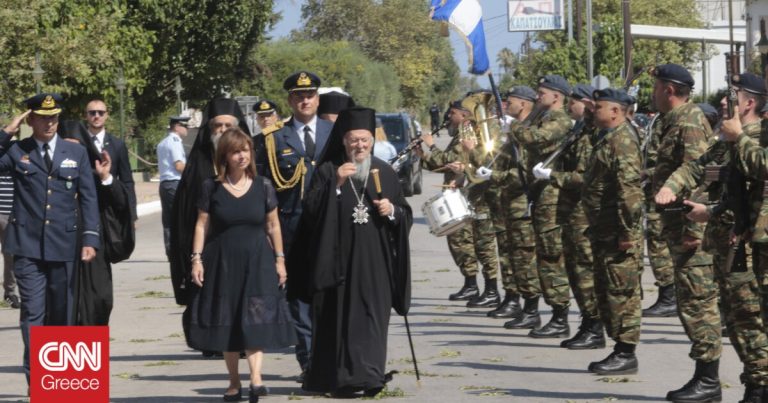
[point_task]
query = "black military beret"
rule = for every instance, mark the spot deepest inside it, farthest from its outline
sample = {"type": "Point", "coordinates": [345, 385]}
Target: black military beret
{"type": "Point", "coordinates": [582, 91]}
{"type": "Point", "coordinates": [750, 82]}
{"type": "Point", "coordinates": [457, 105]}
{"type": "Point", "coordinates": [182, 120]}
{"type": "Point", "coordinates": [556, 83]}
{"type": "Point", "coordinates": [265, 106]}
{"type": "Point", "coordinates": [301, 81]}
{"type": "Point", "coordinates": [45, 104]}
{"type": "Point", "coordinates": [612, 95]}
{"type": "Point", "coordinates": [709, 111]}
{"type": "Point", "coordinates": [673, 73]}
{"type": "Point", "coordinates": [522, 92]}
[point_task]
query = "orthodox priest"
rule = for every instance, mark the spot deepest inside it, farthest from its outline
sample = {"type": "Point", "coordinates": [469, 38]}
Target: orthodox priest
{"type": "Point", "coordinates": [353, 259]}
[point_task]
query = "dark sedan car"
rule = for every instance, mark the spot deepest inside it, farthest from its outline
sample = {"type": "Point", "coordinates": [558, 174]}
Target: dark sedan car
{"type": "Point", "coordinates": [401, 131]}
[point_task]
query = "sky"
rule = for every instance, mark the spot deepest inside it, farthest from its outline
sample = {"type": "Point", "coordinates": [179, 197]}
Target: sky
{"type": "Point", "coordinates": [494, 22]}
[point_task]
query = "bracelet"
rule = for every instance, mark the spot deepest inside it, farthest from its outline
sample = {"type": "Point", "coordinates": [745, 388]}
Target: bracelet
{"type": "Point", "coordinates": [195, 256]}
{"type": "Point", "coordinates": [279, 254]}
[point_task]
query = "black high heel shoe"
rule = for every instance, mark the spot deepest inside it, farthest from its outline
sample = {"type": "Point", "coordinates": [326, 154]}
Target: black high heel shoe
{"type": "Point", "coordinates": [234, 398]}
{"type": "Point", "coordinates": [256, 391]}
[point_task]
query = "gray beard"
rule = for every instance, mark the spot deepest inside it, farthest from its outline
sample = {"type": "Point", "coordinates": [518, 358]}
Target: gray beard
{"type": "Point", "coordinates": [363, 170]}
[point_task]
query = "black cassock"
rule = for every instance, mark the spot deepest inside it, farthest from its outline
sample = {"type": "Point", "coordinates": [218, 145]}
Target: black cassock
{"type": "Point", "coordinates": [354, 274]}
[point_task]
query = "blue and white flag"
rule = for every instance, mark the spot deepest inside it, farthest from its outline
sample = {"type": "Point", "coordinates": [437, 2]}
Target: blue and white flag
{"type": "Point", "coordinates": [466, 16]}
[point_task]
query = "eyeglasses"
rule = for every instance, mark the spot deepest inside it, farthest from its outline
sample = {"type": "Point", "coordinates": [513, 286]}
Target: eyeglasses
{"type": "Point", "coordinates": [95, 112]}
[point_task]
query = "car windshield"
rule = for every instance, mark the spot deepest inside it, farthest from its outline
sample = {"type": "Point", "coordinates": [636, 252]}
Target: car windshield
{"type": "Point", "coordinates": [394, 126]}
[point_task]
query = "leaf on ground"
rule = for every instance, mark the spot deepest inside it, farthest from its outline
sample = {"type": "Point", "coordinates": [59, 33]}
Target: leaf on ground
{"type": "Point", "coordinates": [473, 387]}
{"type": "Point", "coordinates": [449, 353]}
{"type": "Point", "coordinates": [422, 280]}
{"type": "Point", "coordinates": [386, 393]}
{"type": "Point", "coordinates": [494, 359]}
{"type": "Point", "coordinates": [441, 320]}
{"type": "Point", "coordinates": [143, 340]}
{"type": "Point", "coordinates": [294, 397]}
{"type": "Point", "coordinates": [610, 398]}
{"type": "Point", "coordinates": [175, 335]}
{"type": "Point", "coordinates": [411, 372]}
{"type": "Point", "coordinates": [152, 294]}
{"type": "Point", "coordinates": [442, 270]}
{"type": "Point", "coordinates": [725, 385]}
{"type": "Point", "coordinates": [615, 379]}
{"type": "Point", "coordinates": [441, 308]}
{"type": "Point", "coordinates": [160, 363]}
{"type": "Point", "coordinates": [126, 375]}
{"type": "Point", "coordinates": [163, 277]}
{"type": "Point", "coordinates": [493, 393]}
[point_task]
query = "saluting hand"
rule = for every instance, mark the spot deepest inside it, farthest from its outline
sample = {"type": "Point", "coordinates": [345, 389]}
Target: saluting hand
{"type": "Point", "coordinates": [385, 207]}
{"type": "Point", "coordinates": [345, 171]}
{"type": "Point", "coordinates": [87, 254]}
{"type": "Point", "coordinates": [13, 127]}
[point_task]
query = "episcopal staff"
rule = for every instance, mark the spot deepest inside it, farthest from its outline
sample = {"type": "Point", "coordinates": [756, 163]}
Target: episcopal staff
{"type": "Point", "coordinates": [355, 259]}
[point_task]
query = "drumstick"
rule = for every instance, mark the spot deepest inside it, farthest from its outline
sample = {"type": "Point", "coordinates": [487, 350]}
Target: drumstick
{"type": "Point", "coordinates": [376, 181]}
{"type": "Point", "coordinates": [442, 168]}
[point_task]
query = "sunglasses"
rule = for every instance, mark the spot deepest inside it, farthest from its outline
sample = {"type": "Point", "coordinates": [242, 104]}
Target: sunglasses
{"type": "Point", "coordinates": [94, 113]}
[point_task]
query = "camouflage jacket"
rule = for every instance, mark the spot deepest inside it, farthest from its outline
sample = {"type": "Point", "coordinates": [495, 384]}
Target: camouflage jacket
{"type": "Point", "coordinates": [439, 158]}
{"type": "Point", "coordinates": [573, 164]}
{"type": "Point", "coordinates": [758, 210]}
{"type": "Point", "coordinates": [611, 194]}
{"type": "Point", "coordinates": [506, 172]}
{"type": "Point", "coordinates": [684, 135]}
{"type": "Point", "coordinates": [540, 139]}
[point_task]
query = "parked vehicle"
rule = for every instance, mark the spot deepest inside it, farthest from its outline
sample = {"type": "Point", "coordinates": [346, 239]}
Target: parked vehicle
{"type": "Point", "coordinates": [401, 131]}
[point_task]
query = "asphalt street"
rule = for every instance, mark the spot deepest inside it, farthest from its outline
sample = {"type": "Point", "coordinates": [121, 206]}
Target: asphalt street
{"type": "Point", "coordinates": [462, 354]}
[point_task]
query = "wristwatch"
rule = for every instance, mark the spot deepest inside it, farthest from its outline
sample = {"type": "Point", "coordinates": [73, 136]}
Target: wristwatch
{"type": "Point", "coordinates": [279, 254]}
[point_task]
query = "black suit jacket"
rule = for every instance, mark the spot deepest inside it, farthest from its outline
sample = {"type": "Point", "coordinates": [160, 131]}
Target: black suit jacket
{"type": "Point", "coordinates": [121, 167]}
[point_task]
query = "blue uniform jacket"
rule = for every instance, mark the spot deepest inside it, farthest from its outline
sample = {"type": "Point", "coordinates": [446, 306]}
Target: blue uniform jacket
{"type": "Point", "coordinates": [44, 219]}
{"type": "Point", "coordinates": [289, 151]}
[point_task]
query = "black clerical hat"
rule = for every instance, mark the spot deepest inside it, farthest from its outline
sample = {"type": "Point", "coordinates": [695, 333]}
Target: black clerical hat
{"type": "Point", "coordinates": [334, 102]}
{"type": "Point", "coordinates": [224, 106]}
{"type": "Point", "coordinates": [349, 119]}
{"type": "Point", "coordinates": [46, 104]}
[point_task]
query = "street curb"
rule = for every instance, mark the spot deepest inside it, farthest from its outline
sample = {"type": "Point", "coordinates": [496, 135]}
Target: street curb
{"type": "Point", "coordinates": [148, 208]}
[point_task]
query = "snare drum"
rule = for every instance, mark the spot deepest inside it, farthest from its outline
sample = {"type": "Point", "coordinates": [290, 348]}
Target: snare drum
{"type": "Point", "coordinates": [447, 212]}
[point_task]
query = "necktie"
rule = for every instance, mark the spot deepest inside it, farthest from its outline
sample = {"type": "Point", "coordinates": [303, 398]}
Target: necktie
{"type": "Point", "coordinates": [96, 143]}
{"type": "Point", "coordinates": [47, 156]}
{"type": "Point", "coordinates": [309, 144]}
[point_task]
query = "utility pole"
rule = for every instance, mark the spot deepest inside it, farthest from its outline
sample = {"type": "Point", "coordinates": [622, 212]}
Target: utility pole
{"type": "Point", "coordinates": [627, 40]}
{"type": "Point", "coordinates": [570, 21]}
{"type": "Point", "coordinates": [590, 55]}
{"type": "Point", "coordinates": [578, 20]}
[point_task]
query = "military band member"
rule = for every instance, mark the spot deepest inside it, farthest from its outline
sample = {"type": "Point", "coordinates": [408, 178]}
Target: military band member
{"type": "Point", "coordinates": [685, 132]}
{"type": "Point", "coordinates": [521, 276]}
{"type": "Point", "coordinates": [539, 139]}
{"type": "Point", "coordinates": [53, 180]}
{"type": "Point", "coordinates": [292, 155]}
{"type": "Point", "coordinates": [576, 246]}
{"type": "Point", "coordinates": [739, 288]}
{"type": "Point", "coordinates": [613, 201]}
{"type": "Point", "coordinates": [460, 243]}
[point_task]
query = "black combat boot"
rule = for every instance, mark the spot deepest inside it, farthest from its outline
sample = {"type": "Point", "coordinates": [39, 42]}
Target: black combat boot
{"type": "Point", "coordinates": [468, 291]}
{"type": "Point", "coordinates": [621, 361]}
{"type": "Point", "coordinates": [557, 326]}
{"type": "Point", "coordinates": [703, 387]}
{"type": "Point", "coordinates": [665, 306]}
{"type": "Point", "coordinates": [489, 298]}
{"type": "Point", "coordinates": [589, 336]}
{"type": "Point", "coordinates": [509, 308]}
{"type": "Point", "coordinates": [530, 319]}
{"type": "Point", "coordinates": [754, 394]}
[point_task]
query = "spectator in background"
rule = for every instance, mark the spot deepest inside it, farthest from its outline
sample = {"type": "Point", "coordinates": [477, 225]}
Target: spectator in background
{"type": "Point", "coordinates": [434, 115]}
{"type": "Point", "coordinates": [382, 148]}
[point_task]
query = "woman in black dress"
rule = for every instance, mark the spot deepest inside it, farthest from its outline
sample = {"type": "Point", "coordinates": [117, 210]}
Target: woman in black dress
{"type": "Point", "coordinates": [238, 303]}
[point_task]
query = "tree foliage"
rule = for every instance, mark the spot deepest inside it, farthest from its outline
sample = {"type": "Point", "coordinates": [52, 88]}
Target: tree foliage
{"type": "Point", "coordinates": [395, 32]}
{"type": "Point", "coordinates": [555, 55]}
{"type": "Point", "coordinates": [338, 63]}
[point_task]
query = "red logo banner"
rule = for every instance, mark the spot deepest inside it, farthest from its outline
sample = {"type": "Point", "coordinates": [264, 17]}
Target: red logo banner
{"type": "Point", "coordinates": [69, 364]}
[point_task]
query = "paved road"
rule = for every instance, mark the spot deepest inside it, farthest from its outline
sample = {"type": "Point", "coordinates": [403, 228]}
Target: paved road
{"type": "Point", "coordinates": [462, 354]}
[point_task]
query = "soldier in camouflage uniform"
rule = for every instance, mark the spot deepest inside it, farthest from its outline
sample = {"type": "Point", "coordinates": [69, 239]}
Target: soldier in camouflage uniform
{"type": "Point", "coordinates": [461, 242]}
{"type": "Point", "coordinates": [576, 247]}
{"type": "Point", "coordinates": [744, 287]}
{"type": "Point", "coordinates": [658, 252]}
{"type": "Point", "coordinates": [613, 199]}
{"type": "Point", "coordinates": [685, 132]}
{"type": "Point", "coordinates": [483, 229]}
{"type": "Point", "coordinates": [518, 244]}
{"type": "Point", "coordinates": [539, 139]}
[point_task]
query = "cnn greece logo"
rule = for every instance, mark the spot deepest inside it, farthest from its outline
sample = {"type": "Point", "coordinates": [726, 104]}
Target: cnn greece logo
{"type": "Point", "coordinates": [71, 364]}
{"type": "Point", "coordinates": [77, 357]}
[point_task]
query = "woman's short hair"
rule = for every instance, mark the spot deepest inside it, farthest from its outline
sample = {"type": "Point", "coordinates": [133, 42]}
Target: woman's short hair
{"type": "Point", "coordinates": [231, 141]}
{"type": "Point", "coordinates": [380, 135]}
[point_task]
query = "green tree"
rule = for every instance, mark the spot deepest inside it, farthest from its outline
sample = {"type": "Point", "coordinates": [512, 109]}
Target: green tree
{"type": "Point", "coordinates": [395, 32]}
{"type": "Point", "coordinates": [338, 63]}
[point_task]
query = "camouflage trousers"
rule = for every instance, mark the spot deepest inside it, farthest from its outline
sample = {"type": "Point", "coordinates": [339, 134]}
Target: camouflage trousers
{"type": "Point", "coordinates": [697, 296]}
{"type": "Point", "coordinates": [484, 236]}
{"type": "Point", "coordinates": [578, 262]}
{"type": "Point", "coordinates": [516, 246]}
{"type": "Point", "coordinates": [462, 247]}
{"type": "Point", "coordinates": [760, 268]}
{"type": "Point", "coordinates": [740, 297]}
{"type": "Point", "coordinates": [617, 288]}
{"type": "Point", "coordinates": [658, 252]}
{"type": "Point", "coordinates": [549, 257]}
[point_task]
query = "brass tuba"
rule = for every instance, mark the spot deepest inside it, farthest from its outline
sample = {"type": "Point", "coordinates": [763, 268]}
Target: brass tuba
{"type": "Point", "coordinates": [479, 128]}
